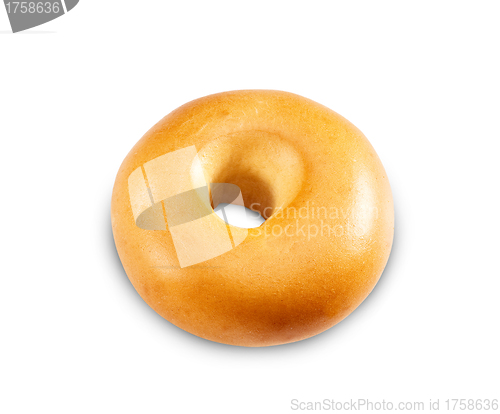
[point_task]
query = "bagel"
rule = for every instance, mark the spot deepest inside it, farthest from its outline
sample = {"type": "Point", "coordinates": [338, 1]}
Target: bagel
{"type": "Point", "coordinates": [310, 173]}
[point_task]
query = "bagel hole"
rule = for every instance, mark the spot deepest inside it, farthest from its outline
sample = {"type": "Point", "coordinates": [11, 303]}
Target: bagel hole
{"type": "Point", "coordinates": [239, 216]}
{"type": "Point", "coordinates": [257, 194]}
{"type": "Point", "coordinates": [228, 202]}
{"type": "Point", "coordinates": [266, 168]}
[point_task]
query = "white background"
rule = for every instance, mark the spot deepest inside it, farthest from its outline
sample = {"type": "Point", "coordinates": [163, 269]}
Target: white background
{"type": "Point", "coordinates": [420, 79]}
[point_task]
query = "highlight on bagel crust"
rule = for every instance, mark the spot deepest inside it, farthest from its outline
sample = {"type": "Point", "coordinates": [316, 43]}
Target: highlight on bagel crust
{"type": "Point", "coordinates": [310, 173]}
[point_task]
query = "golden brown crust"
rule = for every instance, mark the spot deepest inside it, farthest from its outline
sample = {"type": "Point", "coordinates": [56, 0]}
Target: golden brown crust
{"type": "Point", "coordinates": [284, 151]}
